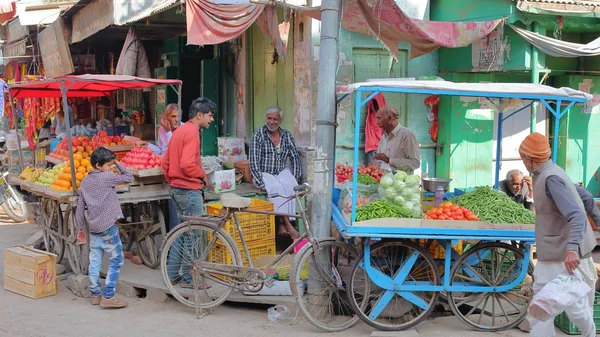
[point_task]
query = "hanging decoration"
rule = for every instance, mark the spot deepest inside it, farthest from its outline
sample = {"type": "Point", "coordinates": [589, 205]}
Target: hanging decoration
{"type": "Point", "coordinates": [432, 102]}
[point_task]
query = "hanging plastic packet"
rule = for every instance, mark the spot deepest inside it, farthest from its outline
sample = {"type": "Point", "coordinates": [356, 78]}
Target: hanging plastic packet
{"type": "Point", "coordinates": [558, 294]}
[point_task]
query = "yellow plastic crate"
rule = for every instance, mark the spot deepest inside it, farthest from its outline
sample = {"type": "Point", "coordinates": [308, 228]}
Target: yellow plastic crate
{"type": "Point", "coordinates": [220, 254]}
{"type": "Point", "coordinates": [437, 251]}
{"type": "Point", "coordinates": [254, 226]}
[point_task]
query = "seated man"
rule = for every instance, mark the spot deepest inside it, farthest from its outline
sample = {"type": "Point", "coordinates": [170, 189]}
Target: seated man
{"type": "Point", "coordinates": [519, 188]}
{"type": "Point", "coordinates": [271, 149]}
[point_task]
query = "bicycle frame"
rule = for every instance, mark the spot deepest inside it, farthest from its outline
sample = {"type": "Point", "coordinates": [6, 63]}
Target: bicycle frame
{"type": "Point", "coordinates": [232, 213]}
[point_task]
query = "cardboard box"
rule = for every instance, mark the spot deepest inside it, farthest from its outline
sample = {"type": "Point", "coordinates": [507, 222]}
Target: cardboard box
{"type": "Point", "coordinates": [30, 272]}
{"type": "Point", "coordinates": [231, 149]}
{"type": "Point", "coordinates": [222, 181]}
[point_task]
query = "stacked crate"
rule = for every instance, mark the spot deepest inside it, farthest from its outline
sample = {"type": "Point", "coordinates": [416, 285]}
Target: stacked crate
{"type": "Point", "coordinates": [258, 229]}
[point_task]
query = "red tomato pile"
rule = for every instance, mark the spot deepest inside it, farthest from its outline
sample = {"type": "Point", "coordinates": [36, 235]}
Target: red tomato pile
{"type": "Point", "coordinates": [449, 211]}
{"type": "Point", "coordinates": [141, 159]}
{"type": "Point", "coordinates": [344, 171]}
{"type": "Point", "coordinates": [371, 170]}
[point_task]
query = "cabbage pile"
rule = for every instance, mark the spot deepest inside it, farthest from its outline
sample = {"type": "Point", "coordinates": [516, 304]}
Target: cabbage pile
{"type": "Point", "coordinates": [403, 190]}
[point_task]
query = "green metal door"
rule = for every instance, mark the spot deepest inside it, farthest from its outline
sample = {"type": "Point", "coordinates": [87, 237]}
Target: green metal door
{"type": "Point", "coordinates": [210, 89]}
{"type": "Point", "coordinates": [272, 80]}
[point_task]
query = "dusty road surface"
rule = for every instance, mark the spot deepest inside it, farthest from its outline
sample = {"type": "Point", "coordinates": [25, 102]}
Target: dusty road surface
{"type": "Point", "coordinates": [66, 315]}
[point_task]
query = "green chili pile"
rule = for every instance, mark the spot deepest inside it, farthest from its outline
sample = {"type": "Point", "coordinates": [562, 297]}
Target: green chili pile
{"type": "Point", "coordinates": [494, 206]}
{"type": "Point", "coordinates": [381, 209]}
{"type": "Point", "coordinates": [366, 180]}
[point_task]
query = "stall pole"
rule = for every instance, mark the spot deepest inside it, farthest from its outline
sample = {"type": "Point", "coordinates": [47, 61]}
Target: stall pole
{"type": "Point", "coordinates": [63, 91]}
{"type": "Point", "coordinates": [15, 113]}
{"type": "Point", "coordinates": [535, 77]}
{"type": "Point", "coordinates": [325, 125]}
{"type": "Point", "coordinates": [498, 149]}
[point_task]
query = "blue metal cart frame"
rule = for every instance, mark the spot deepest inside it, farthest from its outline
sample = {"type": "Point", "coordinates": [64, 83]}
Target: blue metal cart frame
{"type": "Point", "coordinates": [521, 239]}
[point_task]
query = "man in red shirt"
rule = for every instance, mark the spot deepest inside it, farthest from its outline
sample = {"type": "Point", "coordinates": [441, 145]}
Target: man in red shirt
{"type": "Point", "coordinates": [182, 167]}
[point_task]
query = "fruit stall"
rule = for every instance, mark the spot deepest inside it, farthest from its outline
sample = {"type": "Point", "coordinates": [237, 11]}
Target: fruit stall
{"type": "Point", "coordinates": [421, 241]}
{"type": "Point", "coordinates": [143, 200]}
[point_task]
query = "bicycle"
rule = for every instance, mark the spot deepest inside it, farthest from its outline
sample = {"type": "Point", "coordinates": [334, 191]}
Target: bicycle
{"type": "Point", "coordinates": [212, 266]}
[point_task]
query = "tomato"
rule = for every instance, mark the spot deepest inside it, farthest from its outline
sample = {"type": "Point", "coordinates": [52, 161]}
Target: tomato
{"type": "Point", "coordinates": [453, 208]}
{"type": "Point", "coordinates": [472, 217]}
{"type": "Point", "coordinates": [433, 216]}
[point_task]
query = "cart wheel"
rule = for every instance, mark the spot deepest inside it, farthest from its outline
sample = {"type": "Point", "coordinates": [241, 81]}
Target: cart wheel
{"type": "Point", "coordinates": [79, 255]}
{"type": "Point", "coordinates": [399, 264]}
{"type": "Point", "coordinates": [150, 234]}
{"type": "Point", "coordinates": [49, 213]}
{"type": "Point", "coordinates": [491, 264]}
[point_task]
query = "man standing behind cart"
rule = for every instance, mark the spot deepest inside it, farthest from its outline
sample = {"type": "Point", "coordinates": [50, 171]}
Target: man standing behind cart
{"type": "Point", "coordinates": [182, 166]}
{"type": "Point", "coordinates": [563, 236]}
{"type": "Point", "coordinates": [398, 146]}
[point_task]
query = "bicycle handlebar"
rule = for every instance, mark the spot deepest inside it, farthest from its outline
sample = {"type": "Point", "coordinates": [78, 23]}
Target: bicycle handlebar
{"type": "Point", "coordinates": [300, 190]}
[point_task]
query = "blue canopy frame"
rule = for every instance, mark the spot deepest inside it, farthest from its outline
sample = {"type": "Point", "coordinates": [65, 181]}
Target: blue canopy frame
{"type": "Point", "coordinates": [537, 95]}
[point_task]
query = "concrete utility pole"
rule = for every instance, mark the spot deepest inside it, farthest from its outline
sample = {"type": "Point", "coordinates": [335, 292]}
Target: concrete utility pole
{"type": "Point", "coordinates": [326, 106]}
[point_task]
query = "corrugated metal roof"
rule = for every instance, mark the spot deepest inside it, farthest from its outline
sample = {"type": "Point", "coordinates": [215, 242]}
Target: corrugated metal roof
{"type": "Point", "coordinates": [559, 6]}
{"type": "Point", "coordinates": [160, 7]}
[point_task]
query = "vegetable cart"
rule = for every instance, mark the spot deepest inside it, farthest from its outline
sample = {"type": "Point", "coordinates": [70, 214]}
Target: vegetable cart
{"type": "Point", "coordinates": [487, 285]}
{"type": "Point", "coordinates": [143, 200]}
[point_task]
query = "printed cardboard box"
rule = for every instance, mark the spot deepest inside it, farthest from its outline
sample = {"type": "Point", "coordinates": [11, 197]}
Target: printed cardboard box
{"type": "Point", "coordinates": [222, 181]}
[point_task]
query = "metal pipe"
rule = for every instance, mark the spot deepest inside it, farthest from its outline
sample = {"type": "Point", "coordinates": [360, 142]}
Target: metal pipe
{"type": "Point", "coordinates": [325, 129]}
{"type": "Point", "coordinates": [535, 77]}
{"type": "Point", "coordinates": [557, 117]}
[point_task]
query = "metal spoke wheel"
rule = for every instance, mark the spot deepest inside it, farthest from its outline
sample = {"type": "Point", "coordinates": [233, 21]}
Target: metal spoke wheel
{"type": "Point", "coordinates": [50, 217]}
{"type": "Point", "coordinates": [79, 254]}
{"type": "Point", "coordinates": [384, 299]}
{"type": "Point", "coordinates": [127, 233]}
{"type": "Point", "coordinates": [492, 264]}
{"type": "Point", "coordinates": [319, 280]}
{"type": "Point", "coordinates": [184, 249]}
{"type": "Point", "coordinates": [150, 232]}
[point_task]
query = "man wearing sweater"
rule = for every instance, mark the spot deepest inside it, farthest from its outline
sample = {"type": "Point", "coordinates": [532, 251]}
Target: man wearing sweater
{"type": "Point", "coordinates": [182, 167]}
{"type": "Point", "coordinates": [563, 235]}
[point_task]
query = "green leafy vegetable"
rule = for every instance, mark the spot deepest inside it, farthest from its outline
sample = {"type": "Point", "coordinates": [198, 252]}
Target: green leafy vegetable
{"type": "Point", "coordinates": [366, 180]}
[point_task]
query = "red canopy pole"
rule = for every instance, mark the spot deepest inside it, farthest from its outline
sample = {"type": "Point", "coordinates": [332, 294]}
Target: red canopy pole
{"type": "Point", "coordinates": [63, 90]}
{"type": "Point", "coordinates": [16, 120]}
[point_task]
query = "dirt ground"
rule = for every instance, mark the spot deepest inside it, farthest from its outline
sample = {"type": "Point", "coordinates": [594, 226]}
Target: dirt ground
{"type": "Point", "coordinates": [66, 315]}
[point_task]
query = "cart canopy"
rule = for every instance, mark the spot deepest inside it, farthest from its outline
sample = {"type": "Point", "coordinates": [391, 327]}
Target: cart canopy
{"type": "Point", "coordinates": [85, 85]}
{"type": "Point", "coordinates": [527, 91]}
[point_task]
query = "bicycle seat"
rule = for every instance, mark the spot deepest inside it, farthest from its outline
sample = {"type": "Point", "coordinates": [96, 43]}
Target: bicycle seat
{"type": "Point", "coordinates": [232, 200]}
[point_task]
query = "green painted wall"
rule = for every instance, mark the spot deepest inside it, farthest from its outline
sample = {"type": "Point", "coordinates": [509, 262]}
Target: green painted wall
{"type": "Point", "coordinates": [579, 137]}
{"type": "Point", "coordinates": [466, 132]}
{"type": "Point", "coordinates": [361, 58]}
{"type": "Point", "coordinates": [272, 83]}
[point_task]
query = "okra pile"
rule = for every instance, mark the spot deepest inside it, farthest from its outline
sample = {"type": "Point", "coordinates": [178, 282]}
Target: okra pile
{"type": "Point", "coordinates": [382, 209]}
{"type": "Point", "coordinates": [494, 206]}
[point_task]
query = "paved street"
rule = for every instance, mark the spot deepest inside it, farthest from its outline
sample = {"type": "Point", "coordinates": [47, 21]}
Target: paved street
{"type": "Point", "coordinates": [66, 315]}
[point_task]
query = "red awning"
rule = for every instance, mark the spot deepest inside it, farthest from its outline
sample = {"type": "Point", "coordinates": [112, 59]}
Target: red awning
{"type": "Point", "coordinates": [85, 85]}
{"type": "Point", "coordinates": [8, 10]}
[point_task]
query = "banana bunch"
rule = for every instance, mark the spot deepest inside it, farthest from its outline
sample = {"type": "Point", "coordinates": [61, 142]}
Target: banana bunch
{"type": "Point", "coordinates": [30, 173]}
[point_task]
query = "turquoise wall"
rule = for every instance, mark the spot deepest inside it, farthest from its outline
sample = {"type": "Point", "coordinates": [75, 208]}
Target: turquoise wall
{"type": "Point", "coordinates": [362, 57]}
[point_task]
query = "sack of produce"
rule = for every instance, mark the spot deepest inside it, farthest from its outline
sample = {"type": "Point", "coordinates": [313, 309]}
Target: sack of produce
{"type": "Point", "coordinates": [366, 190]}
{"type": "Point", "coordinates": [403, 190]}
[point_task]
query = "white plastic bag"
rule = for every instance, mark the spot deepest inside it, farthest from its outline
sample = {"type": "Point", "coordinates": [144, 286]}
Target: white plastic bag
{"type": "Point", "coordinates": [278, 313]}
{"type": "Point", "coordinates": [558, 294]}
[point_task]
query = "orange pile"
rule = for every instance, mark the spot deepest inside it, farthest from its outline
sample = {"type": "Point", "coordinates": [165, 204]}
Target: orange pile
{"type": "Point", "coordinates": [64, 182]}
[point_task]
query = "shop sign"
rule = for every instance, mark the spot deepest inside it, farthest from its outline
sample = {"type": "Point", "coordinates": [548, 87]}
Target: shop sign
{"type": "Point", "coordinates": [54, 48]}
{"type": "Point", "coordinates": [94, 17]}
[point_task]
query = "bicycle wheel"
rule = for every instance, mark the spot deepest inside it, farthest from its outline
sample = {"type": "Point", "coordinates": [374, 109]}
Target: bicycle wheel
{"type": "Point", "coordinates": [323, 298]}
{"type": "Point", "coordinates": [394, 309]}
{"type": "Point", "coordinates": [491, 264]}
{"type": "Point", "coordinates": [180, 257]}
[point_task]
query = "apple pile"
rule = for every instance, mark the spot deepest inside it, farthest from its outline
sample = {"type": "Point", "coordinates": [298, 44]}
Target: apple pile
{"type": "Point", "coordinates": [103, 139]}
{"type": "Point", "coordinates": [81, 146]}
{"type": "Point", "coordinates": [141, 158]}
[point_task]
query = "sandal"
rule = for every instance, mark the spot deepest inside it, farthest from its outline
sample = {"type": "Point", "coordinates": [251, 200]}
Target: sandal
{"type": "Point", "coordinates": [176, 280]}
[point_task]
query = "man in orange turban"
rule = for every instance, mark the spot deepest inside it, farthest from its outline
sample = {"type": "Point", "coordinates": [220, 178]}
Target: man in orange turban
{"type": "Point", "coordinates": [563, 236]}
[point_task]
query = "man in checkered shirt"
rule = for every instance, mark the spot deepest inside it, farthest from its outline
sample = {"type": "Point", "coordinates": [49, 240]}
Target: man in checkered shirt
{"type": "Point", "coordinates": [275, 165]}
{"type": "Point", "coordinates": [99, 196]}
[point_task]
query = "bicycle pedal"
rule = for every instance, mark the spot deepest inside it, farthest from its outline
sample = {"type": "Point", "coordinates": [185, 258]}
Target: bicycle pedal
{"type": "Point", "coordinates": [270, 282]}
